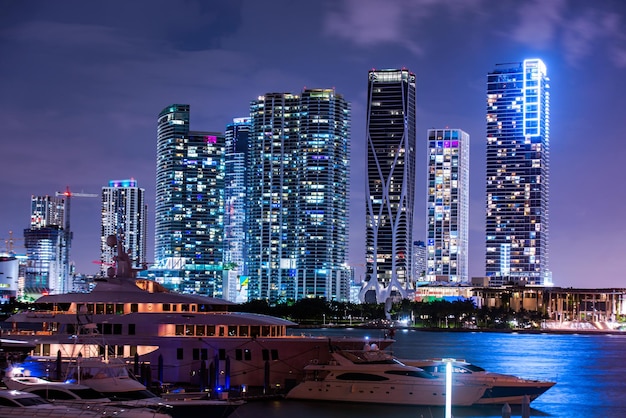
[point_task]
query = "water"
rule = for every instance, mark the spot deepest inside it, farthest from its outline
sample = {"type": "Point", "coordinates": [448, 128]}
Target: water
{"type": "Point", "coordinates": [590, 371]}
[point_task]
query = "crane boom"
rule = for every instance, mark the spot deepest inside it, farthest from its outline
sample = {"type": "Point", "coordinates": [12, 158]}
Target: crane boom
{"type": "Point", "coordinates": [68, 232]}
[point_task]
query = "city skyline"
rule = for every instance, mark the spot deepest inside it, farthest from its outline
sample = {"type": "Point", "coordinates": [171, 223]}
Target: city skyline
{"type": "Point", "coordinates": [84, 83]}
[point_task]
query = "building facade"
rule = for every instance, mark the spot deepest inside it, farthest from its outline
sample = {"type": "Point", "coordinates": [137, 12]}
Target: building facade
{"type": "Point", "coordinates": [189, 204]}
{"type": "Point", "coordinates": [298, 182]}
{"type": "Point", "coordinates": [517, 174]}
{"type": "Point", "coordinates": [420, 261]}
{"type": "Point", "coordinates": [47, 211]}
{"type": "Point", "coordinates": [390, 184]}
{"type": "Point", "coordinates": [235, 198]}
{"type": "Point", "coordinates": [9, 277]}
{"type": "Point", "coordinates": [448, 205]}
{"type": "Point", "coordinates": [124, 214]}
{"type": "Point", "coordinates": [47, 243]}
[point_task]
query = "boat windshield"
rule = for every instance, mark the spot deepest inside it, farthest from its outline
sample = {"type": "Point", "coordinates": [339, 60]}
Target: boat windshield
{"type": "Point", "coordinates": [473, 367]}
{"type": "Point", "coordinates": [90, 370]}
{"type": "Point", "coordinates": [370, 357]}
{"type": "Point", "coordinates": [31, 401]}
{"type": "Point", "coordinates": [413, 373]}
{"type": "Point", "coordinates": [87, 393]}
{"type": "Point", "coordinates": [131, 395]}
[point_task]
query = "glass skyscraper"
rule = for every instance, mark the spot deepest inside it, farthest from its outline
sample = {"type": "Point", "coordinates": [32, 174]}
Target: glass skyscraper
{"type": "Point", "coordinates": [235, 199]}
{"type": "Point", "coordinates": [518, 131]}
{"type": "Point", "coordinates": [189, 204]}
{"type": "Point", "coordinates": [390, 184]}
{"type": "Point", "coordinates": [298, 194]}
{"type": "Point", "coordinates": [47, 248]}
{"type": "Point", "coordinates": [448, 205]}
{"type": "Point", "coordinates": [124, 215]}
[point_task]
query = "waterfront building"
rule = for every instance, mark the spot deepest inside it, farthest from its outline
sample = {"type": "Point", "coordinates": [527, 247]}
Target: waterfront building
{"type": "Point", "coordinates": [562, 308]}
{"type": "Point", "coordinates": [420, 257]}
{"type": "Point", "coordinates": [517, 173]}
{"type": "Point", "coordinates": [47, 243]}
{"type": "Point", "coordinates": [235, 198]}
{"type": "Point", "coordinates": [9, 277]}
{"type": "Point", "coordinates": [448, 205]}
{"type": "Point", "coordinates": [189, 205]}
{"type": "Point", "coordinates": [390, 184]}
{"type": "Point", "coordinates": [298, 194]}
{"type": "Point", "coordinates": [449, 292]}
{"type": "Point", "coordinates": [124, 214]}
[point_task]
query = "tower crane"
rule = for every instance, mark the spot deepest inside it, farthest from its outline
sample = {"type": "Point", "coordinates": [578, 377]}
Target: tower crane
{"type": "Point", "coordinates": [10, 243]}
{"type": "Point", "coordinates": [68, 197]}
{"type": "Point", "coordinates": [68, 232]}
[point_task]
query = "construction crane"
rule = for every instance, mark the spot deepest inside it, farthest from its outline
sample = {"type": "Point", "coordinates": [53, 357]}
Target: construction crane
{"type": "Point", "coordinates": [68, 197]}
{"type": "Point", "coordinates": [9, 243]}
{"type": "Point", "coordinates": [68, 232]}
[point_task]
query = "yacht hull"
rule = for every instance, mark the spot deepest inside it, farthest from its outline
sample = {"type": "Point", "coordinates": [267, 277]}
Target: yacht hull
{"type": "Point", "coordinates": [393, 393]}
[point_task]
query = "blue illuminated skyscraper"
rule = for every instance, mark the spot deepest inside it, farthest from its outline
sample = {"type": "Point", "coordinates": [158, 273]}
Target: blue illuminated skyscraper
{"type": "Point", "coordinates": [518, 131]}
{"type": "Point", "coordinates": [235, 199]}
{"type": "Point", "coordinates": [390, 184]}
{"type": "Point", "coordinates": [448, 205]}
{"type": "Point", "coordinates": [189, 204]}
{"type": "Point", "coordinates": [298, 193]}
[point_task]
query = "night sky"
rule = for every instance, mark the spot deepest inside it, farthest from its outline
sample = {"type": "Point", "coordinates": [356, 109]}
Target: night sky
{"type": "Point", "coordinates": [82, 83]}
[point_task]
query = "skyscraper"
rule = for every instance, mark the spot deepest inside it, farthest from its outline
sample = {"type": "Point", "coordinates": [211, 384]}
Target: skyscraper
{"type": "Point", "coordinates": [298, 186]}
{"type": "Point", "coordinates": [518, 131]}
{"type": "Point", "coordinates": [235, 198]}
{"type": "Point", "coordinates": [448, 205]}
{"type": "Point", "coordinates": [124, 214]}
{"type": "Point", "coordinates": [189, 204]}
{"type": "Point", "coordinates": [390, 187]}
{"type": "Point", "coordinates": [46, 242]}
{"type": "Point", "coordinates": [47, 211]}
{"type": "Point", "coordinates": [420, 261]}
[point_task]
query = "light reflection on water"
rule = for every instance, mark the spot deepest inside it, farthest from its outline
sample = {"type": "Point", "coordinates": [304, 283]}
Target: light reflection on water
{"type": "Point", "coordinates": [590, 372]}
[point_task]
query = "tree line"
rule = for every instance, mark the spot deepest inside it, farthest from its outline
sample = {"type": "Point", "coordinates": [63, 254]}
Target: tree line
{"type": "Point", "coordinates": [433, 314]}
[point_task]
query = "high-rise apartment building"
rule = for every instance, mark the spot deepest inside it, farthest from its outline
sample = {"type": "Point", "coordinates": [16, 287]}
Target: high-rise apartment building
{"type": "Point", "coordinates": [189, 204]}
{"type": "Point", "coordinates": [448, 205]}
{"type": "Point", "coordinates": [518, 131]}
{"type": "Point", "coordinates": [298, 182]}
{"type": "Point", "coordinates": [390, 184]}
{"type": "Point", "coordinates": [420, 261]}
{"type": "Point", "coordinates": [124, 214]}
{"type": "Point", "coordinates": [46, 242]}
{"type": "Point", "coordinates": [235, 199]}
{"type": "Point", "coordinates": [47, 211]}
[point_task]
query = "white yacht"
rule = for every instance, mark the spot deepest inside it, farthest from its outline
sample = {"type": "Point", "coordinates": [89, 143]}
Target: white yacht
{"type": "Point", "coordinates": [374, 376]}
{"type": "Point", "coordinates": [15, 403]}
{"type": "Point", "coordinates": [501, 388]}
{"type": "Point", "coordinates": [179, 338]}
{"type": "Point", "coordinates": [82, 397]}
{"type": "Point", "coordinates": [108, 388]}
